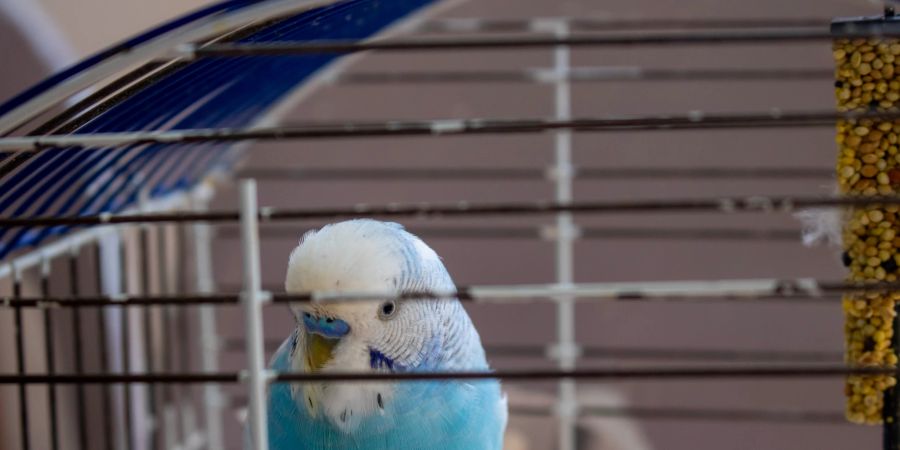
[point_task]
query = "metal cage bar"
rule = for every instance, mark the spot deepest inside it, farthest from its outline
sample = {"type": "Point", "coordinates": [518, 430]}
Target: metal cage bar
{"type": "Point", "coordinates": [125, 325]}
{"type": "Point", "coordinates": [257, 376]}
{"type": "Point", "coordinates": [208, 339]}
{"type": "Point", "coordinates": [565, 231]}
{"type": "Point", "coordinates": [25, 435]}
{"type": "Point", "coordinates": [103, 347]}
{"type": "Point", "coordinates": [49, 355]}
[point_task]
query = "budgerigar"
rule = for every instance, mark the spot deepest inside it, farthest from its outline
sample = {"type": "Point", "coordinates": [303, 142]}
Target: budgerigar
{"type": "Point", "coordinates": [386, 336]}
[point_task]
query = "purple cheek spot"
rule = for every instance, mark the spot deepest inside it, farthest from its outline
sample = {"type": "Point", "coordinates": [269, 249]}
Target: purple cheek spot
{"type": "Point", "coordinates": [378, 360]}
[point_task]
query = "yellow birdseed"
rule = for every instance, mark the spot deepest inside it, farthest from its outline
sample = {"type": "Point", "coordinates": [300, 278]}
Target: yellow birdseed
{"type": "Point", "coordinates": [869, 164]}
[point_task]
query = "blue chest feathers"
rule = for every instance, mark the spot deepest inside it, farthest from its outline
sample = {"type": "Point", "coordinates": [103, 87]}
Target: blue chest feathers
{"type": "Point", "coordinates": [419, 415]}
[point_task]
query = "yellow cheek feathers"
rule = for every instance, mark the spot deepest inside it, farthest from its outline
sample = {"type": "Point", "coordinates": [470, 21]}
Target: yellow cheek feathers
{"type": "Point", "coordinates": [869, 165]}
{"type": "Point", "coordinates": [319, 351]}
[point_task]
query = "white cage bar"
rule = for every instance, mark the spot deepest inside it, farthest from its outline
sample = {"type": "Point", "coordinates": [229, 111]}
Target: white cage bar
{"type": "Point", "coordinates": [565, 230]}
{"type": "Point", "coordinates": [257, 377]}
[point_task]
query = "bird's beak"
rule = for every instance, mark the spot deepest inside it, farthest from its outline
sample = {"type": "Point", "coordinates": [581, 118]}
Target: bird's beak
{"type": "Point", "coordinates": [322, 336]}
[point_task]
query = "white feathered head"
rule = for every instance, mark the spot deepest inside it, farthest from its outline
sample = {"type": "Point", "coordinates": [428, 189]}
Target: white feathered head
{"type": "Point", "coordinates": [360, 256]}
{"type": "Point", "coordinates": [363, 256]}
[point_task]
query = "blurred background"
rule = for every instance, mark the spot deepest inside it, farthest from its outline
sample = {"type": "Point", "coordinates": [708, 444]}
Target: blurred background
{"type": "Point", "coordinates": [40, 36]}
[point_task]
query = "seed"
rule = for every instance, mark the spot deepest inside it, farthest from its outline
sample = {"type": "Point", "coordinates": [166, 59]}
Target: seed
{"type": "Point", "coordinates": [861, 131]}
{"type": "Point", "coordinates": [894, 175]}
{"type": "Point", "coordinates": [869, 171]}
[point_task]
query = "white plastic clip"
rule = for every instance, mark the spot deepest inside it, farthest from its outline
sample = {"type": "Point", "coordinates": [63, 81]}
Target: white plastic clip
{"type": "Point", "coordinates": [547, 24]}
{"type": "Point", "coordinates": [188, 51]}
{"type": "Point", "coordinates": [763, 204]}
{"type": "Point", "coordinates": [545, 76]}
{"type": "Point", "coordinates": [727, 205]}
{"type": "Point", "coordinates": [564, 352]}
{"type": "Point", "coordinates": [265, 213]}
{"type": "Point", "coordinates": [566, 409]}
{"type": "Point", "coordinates": [448, 126]}
{"type": "Point", "coordinates": [787, 205]}
{"type": "Point", "coordinates": [552, 233]}
{"type": "Point", "coordinates": [810, 287]}
{"type": "Point", "coordinates": [562, 172]}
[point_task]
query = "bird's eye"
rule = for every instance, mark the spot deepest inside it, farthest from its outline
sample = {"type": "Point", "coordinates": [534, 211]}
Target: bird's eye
{"type": "Point", "coordinates": [387, 310]}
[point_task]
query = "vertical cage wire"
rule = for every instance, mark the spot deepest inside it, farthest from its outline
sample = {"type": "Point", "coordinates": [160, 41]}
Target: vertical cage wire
{"type": "Point", "coordinates": [170, 392]}
{"type": "Point", "coordinates": [125, 341]}
{"type": "Point", "coordinates": [208, 339]}
{"type": "Point", "coordinates": [103, 346]}
{"type": "Point", "coordinates": [148, 335]}
{"type": "Point", "coordinates": [565, 230]}
{"type": "Point", "coordinates": [182, 362]}
{"type": "Point", "coordinates": [20, 359]}
{"type": "Point", "coordinates": [78, 348]}
{"type": "Point", "coordinates": [257, 377]}
{"type": "Point", "coordinates": [193, 437]}
{"type": "Point", "coordinates": [110, 278]}
{"type": "Point", "coordinates": [49, 354]}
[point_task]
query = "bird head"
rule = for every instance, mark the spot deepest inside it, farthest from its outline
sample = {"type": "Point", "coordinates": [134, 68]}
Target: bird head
{"type": "Point", "coordinates": [368, 256]}
{"type": "Point", "coordinates": [364, 256]}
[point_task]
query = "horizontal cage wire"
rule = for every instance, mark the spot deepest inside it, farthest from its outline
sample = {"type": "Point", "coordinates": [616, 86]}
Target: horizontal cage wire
{"type": "Point", "coordinates": [448, 127]}
{"type": "Point", "coordinates": [469, 25]}
{"type": "Point", "coordinates": [720, 205]}
{"type": "Point", "coordinates": [109, 235]}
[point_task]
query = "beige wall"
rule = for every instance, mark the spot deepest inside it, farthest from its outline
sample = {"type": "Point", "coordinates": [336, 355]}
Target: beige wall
{"type": "Point", "coordinates": [94, 24]}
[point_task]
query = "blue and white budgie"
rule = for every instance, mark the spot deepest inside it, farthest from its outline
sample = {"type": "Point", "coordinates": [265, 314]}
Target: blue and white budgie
{"type": "Point", "coordinates": [405, 336]}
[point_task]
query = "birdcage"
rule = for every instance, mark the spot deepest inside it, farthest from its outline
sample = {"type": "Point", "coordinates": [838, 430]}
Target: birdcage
{"type": "Point", "coordinates": [116, 178]}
